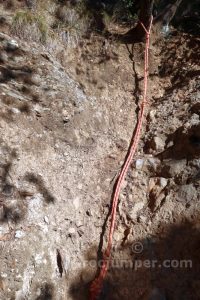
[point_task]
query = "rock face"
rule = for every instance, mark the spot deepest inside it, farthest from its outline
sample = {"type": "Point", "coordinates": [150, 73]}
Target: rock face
{"type": "Point", "coordinates": [66, 123]}
{"type": "Point", "coordinates": [58, 151]}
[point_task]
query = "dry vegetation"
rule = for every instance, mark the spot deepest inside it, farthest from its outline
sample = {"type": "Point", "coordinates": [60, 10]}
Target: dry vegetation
{"type": "Point", "coordinates": [52, 24]}
{"type": "Point", "coordinates": [30, 26]}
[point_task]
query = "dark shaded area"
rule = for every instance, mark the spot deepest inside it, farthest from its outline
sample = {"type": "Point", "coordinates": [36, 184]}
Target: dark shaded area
{"type": "Point", "coordinates": [14, 213]}
{"type": "Point", "coordinates": [9, 212]}
{"type": "Point", "coordinates": [137, 89]}
{"type": "Point", "coordinates": [181, 79]}
{"type": "Point", "coordinates": [18, 73]}
{"type": "Point", "coordinates": [182, 14]}
{"type": "Point", "coordinates": [59, 262]}
{"type": "Point", "coordinates": [145, 15]}
{"type": "Point", "coordinates": [187, 18]}
{"type": "Point", "coordinates": [46, 292]}
{"type": "Point", "coordinates": [144, 276]}
{"type": "Point", "coordinates": [195, 109]}
{"type": "Point", "coordinates": [40, 186]}
{"type": "Point", "coordinates": [16, 210]}
{"type": "Point", "coordinates": [120, 10]}
{"type": "Point", "coordinates": [168, 12]}
{"type": "Point", "coordinates": [5, 168]}
{"type": "Point", "coordinates": [7, 116]}
{"type": "Point", "coordinates": [31, 3]}
{"type": "Point", "coordinates": [171, 66]}
{"type": "Point", "coordinates": [194, 179]}
{"type": "Point", "coordinates": [185, 144]}
{"type": "Point", "coordinates": [17, 4]}
{"type": "Point", "coordinates": [25, 108]}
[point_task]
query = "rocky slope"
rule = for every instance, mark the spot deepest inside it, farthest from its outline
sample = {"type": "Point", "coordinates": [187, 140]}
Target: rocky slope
{"type": "Point", "coordinates": [65, 126]}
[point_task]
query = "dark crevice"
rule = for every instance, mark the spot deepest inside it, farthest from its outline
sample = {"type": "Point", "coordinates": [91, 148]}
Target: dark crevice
{"type": "Point", "coordinates": [59, 262]}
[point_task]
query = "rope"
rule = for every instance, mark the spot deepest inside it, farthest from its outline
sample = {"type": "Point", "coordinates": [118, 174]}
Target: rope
{"type": "Point", "coordinates": [97, 284]}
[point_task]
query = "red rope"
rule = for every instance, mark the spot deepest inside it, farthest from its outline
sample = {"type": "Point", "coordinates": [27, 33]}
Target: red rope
{"type": "Point", "coordinates": [97, 284]}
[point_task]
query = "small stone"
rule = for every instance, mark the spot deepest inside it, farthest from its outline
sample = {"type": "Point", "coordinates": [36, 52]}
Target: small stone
{"type": "Point", "coordinates": [170, 144]}
{"type": "Point", "coordinates": [139, 164]}
{"type": "Point", "coordinates": [165, 30]}
{"type": "Point", "coordinates": [3, 57]}
{"type": "Point", "coordinates": [19, 234]}
{"type": "Point", "coordinates": [15, 110]}
{"type": "Point", "coordinates": [194, 120]}
{"type": "Point", "coordinates": [12, 45]}
{"type": "Point", "coordinates": [38, 258]}
{"type": "Point", "coordinates": [76, 203]}
{"type": "Point", "coordinates": [158, 144]}
{"type": "Point", "coordinates": [65, 113]}
{"type": "Point", "coordinates": [46, 219]}
{"type": "Point", "coordinates": [7, 190]}
{"type": "Point", "coordinates": [152, 114]}
{"type": "Point", "coordinates": [163, 182]}
{"type": "Point", "coordinates": [71, 230]}
{"type": "Point", "coordinates": [35, 79]}
{"type": "Point", "coordinates": [66, 119]}
{"type": "Point", "coordinates": [118, 237]}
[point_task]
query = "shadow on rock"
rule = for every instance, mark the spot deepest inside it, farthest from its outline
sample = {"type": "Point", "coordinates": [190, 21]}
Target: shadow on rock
{"type": "Point", "coordinates": [168, 267]}
{"type": "Point", "coordinates": [46, 292]}
{"type": "Point", "coordinates": [40, 186]}
{"type": "Point", "coordinates": [13, 203]}
{"type": "Point", "coordinates": [186, 144]}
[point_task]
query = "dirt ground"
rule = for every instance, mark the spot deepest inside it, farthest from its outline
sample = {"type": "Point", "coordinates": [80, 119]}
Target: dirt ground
{"type": "Point", "coordinates": [65, 127]}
